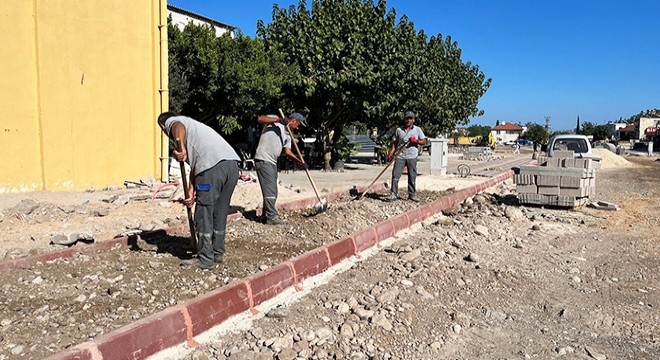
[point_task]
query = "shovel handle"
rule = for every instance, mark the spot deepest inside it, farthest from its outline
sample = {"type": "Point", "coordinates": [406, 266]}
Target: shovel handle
{"type": "Point", "coordinates": [302, 159]}
{"type": "Point", "coordinates": [396, 155]}
{"type": "Point", "coordinates": [184, 181]}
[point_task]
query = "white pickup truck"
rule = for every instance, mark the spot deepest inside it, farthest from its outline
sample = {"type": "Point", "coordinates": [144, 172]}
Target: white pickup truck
{"type": "Point", "coordinates": [579, 144]}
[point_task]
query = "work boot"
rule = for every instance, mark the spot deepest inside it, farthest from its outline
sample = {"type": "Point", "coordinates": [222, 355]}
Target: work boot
{"type": "Point", "coordinates": [413, 198]}
{"type": "Point", "coordinates": [196, 262]}
{"type": "Point", "coordinates": [275, 220]}
{"type": "Point", "coordinates": [392, 197]}
{"type": "Point", "coordinates": [218, 259]}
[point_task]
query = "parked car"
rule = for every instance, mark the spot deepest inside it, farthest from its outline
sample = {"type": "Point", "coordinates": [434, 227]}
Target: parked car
{"type": "Point", "coordinates": [525, 142]}
{"type": "Point", "coordinates": [579, 144]}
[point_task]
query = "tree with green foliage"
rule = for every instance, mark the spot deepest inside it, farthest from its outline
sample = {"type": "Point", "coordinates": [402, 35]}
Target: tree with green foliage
{"type": "Point", "coordinates": [356, 63]}
{"type": "Point", "coordinates": [222, 81]}
{"type": "Point", "coordinates": [478, 130]}
{"type": "Point", "coordinates": [537, 134]}
{"type": "Point", "coordinates": [599, 132]}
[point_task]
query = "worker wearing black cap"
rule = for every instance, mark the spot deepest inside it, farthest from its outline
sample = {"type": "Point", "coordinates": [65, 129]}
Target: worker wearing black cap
{"type": "Point", "coordinates": [413, 136]}
{"type": "Point", "coordinates": [274, 139]}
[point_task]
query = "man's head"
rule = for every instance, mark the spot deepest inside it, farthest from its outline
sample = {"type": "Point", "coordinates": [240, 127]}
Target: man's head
{"type": "Point", "coordinates": [296, 120]}
{"type": "Point", "coordinates": [162, 118]}
{"type": "Point", "coordinates": [409, 118]}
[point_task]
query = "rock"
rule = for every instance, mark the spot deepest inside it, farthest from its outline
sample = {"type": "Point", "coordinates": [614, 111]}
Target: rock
{"type": "Point", "coordinates": [343, 308]}
{"type": "Point", "coordinates": [381, 320]}
{"type": "Point", "coordinates": [457, 244]}
{"type": "Point", "coordinates": [101, 212]}
{"type": "Point", "coordinates": [480, 230]}
{"type": "Point", "coordinates": [17, 350]}
{"type": "Point", "coordinates": [346, 331]}
{"type": "Point", "coordinates": [409, 257]}
{"type": "Point", "coordinates": [454, 210]}
{"type": "Point", "coordinates": [363, 314]}
{"type": "Point", "coordinates": [24, 207]}
{"type": "Point", "coordinates": [81, 298]}
{"type": "Point", "coordinates": [481, 199]}
{"type": "Point", "coordinates": [301, 346]}
{"type": "Point", "coordinates": [282, 343]}
{"type": "Point", "coordinates": [325, 332]}
{"type": "Point", "coordinates": [564, 350]}
{"type": "Point", "coordinates": [277, 313]}
{"type": "Point", "coordinates": [64, 239]}
{"type": "Point", "coordinates": [496, 314]}
{"type": "Point", "coordinates": [536, 227]}
{"type": "Point", "coordinates": [473, 257]}
{"type": "Point", "coordinates": [201, 354]}
{"type": "Point", "coordinates": [156, 264]}
{"type": "Point", "coordinates": [263, 267]}
{"type": "Point", "coordinates": [456, 328]}
{"type": "Point", "coordinates": [388, 296]}
{"type": "Point", "coordinates": [2, 217]}
{"type": "Point", "coordinates": [595, 353]}
{"type": "Point", "coordinates": [121, 200]}
{"type": "Point", "coordinates": [513, 213]}
{"type": "Point", "coordinates": [425, 294]}
{"type": "Point", "coordinates": [436, 345]}
{"type": "Point", "coordinates": [38, 280]}
{"type": "Point", "coordinates": [287, 354]}
{"type": "Point", "coordinates": [406, 282]}
{"type": "Point", "coordinates": [251, 355]}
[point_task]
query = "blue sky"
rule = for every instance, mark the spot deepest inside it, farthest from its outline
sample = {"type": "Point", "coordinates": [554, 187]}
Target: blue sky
{"type": "Point", "coordinates": [599, 59]}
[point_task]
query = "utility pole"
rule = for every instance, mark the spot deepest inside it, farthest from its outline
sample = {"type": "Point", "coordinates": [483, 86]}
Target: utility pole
{"type": "Point", "coordinates": [547, 124]}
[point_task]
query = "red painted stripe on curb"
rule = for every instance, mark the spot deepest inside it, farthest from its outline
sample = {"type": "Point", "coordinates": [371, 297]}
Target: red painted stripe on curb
{"type": "Point", "coordinates": [311, 263]}
{"type": "Point", "coordinates": [427, 211]}
{"type": "Point", "coordinates": [400, 222]}
{"type": "Point", "coordinates": [365, 239]}
{"type": "Point", "coordinates": [217, 306]}
{"type": "Point", "coordinates": [340, 250]}
{"type": "Point", "coordinates": [268, 284]}
{"type": "Point", "coordinates": [189, 326]}
{"type": "Point", "coordinates": [144, 337]}
{"type": "Point", "coordinates": [415, 216]}
{"type": "Point", "coordinates": [253, 311]}
{"type": "Point", "coordinates": [296, 284]}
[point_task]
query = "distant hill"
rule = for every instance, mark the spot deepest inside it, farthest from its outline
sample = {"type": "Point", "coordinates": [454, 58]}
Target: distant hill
{"type": "Point", "coordinates": [653, 113]}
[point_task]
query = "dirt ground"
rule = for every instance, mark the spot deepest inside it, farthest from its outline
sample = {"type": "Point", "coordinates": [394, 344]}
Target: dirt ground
{"type": "Point", "coordinates": [443, 292]}
{"type": "Point", "coordinates": [495, 281]}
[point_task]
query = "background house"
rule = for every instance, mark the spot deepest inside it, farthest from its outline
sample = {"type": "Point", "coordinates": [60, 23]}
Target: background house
{"type": "Point", "coordinates": [506, 132]}
{"type": "Point", "coordinates": [181, 18]}
{"type": "Point", "coordinates": [83, 83]}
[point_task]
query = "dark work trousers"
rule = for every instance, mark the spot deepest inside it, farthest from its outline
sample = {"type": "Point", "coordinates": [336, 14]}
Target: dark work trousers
{"type": "Point", "coordinates": [267, 174]}
{"type": "Point", "coordinates": [214, 188]}
{"type": "Point", "coordinates": [399, 164]}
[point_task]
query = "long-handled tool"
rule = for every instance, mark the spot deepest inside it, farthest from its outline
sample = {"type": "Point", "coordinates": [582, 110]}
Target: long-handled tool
{"type": "Point", "coordinates": [184, 180]}
{"type": "Point", "coordinates": [396, 155]}
{"type": "Point", "coordinates": [323, 203]}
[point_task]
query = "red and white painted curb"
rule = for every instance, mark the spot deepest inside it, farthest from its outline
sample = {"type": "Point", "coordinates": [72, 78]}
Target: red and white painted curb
{"type": "Point", "coordinates": [183, 322]}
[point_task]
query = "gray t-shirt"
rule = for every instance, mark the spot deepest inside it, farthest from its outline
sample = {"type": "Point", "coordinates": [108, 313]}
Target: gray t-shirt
{"type": "Point", "coordinates": [273, 138]}
{"type": "Point", "coordinates": [401, 136]}
{"type": "Point", "coordinates": [204, 145]}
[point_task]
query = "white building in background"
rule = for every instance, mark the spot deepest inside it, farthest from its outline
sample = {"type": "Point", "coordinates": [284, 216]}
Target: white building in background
{"type": "Point", "coordinates": [181, 18]}
{"type": "Point", "coordinates": [506, 132]}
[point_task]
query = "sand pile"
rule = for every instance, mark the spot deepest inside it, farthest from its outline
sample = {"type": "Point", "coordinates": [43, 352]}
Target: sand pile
{"type": "Point", "coordinates": [612, 160]}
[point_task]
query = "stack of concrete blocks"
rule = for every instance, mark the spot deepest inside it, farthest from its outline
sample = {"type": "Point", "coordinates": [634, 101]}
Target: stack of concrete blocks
{"type": "Point", "coordinates": [561, 180]}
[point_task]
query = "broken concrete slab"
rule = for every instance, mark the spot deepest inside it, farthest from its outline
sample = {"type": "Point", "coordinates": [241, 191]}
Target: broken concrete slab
{"type": "Point", "coordinates": [70, 238]}
{"type": "Point", "coordinates": [604, 205]}
{"type": "Point", "coordinates": [24, 207]}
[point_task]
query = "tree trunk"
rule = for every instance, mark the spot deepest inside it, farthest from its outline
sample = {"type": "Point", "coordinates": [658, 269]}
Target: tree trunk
{"type": "Point", "coordinates": [535, 154]}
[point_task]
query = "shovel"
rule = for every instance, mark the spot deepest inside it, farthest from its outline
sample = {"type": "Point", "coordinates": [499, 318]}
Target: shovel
{"type": "Point", "coordinates": [396, 155]}
{"type": "Point", "coordinates": [322, 205]}
{"type": "Point", "coordinates": [184, 180]}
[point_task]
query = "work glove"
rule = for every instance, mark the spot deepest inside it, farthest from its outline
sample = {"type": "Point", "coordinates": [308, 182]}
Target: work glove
{"type": "Point", "coordinates": [283, 121]}
{"type": "Point", "coordinates": [302, 165]}
{"type": "Point", "coordinates": [390, 156]}
{"type": "Point", "coordinates": [414, 140]}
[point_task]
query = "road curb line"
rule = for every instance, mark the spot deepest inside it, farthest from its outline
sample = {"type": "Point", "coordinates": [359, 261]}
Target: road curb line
{"type": "Point", "coordinates": [171, 327]}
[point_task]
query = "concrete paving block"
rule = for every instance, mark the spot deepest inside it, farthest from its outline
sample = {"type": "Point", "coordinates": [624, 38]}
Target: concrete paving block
{"type": "Point", "coordinates": [524, 179]}
{"type": "Point", "coordinates": [542, 160]}
{"type": "Point", "coordinates": [573, 182]}
{"type": "Point", "coordinates": [553, 162]}
{"type": "Point", "coordinates": [568, 163]}
{"type": "Point", "coordinates": [564, 154]}
{"type": "Point", "coordinates": [578, 193]}
{"type": "Point", "coordinates": [548, 180]}
{"type": "Point", "coordinates": [548, 190]}
{"type": "Point", "coordinates": [526, 189]}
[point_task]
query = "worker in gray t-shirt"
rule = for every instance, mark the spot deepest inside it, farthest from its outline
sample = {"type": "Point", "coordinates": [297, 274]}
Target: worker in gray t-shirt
{"type": "Point", "coordinates": [414, 136]}
{"type": "Point", "coordinates": [274, 139]}
{"type": "Point", "coordinates": [214, 174]}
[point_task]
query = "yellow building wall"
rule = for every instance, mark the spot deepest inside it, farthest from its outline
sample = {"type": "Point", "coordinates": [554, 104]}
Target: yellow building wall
{"type": "Point", "coordinates": [82, 93]}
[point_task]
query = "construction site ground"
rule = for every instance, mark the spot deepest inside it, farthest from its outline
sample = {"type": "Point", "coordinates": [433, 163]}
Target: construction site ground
{"type": "Point", "coordinates": [581, 283]}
